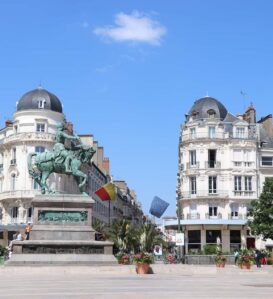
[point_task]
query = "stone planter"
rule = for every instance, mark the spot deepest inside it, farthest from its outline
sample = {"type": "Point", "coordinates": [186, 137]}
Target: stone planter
{"type": "Point", "coordinates": [245, 265]}
{"type": "Point", "coordinates": [142, 268]}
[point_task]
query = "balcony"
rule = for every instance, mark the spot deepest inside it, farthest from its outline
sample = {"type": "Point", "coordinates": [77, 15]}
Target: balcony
{"type": "Point", "coordinates": [250, 194]}
{"type": "Point", "coordinates": [238, 216]}
{"type": "Point", "coordinates": [218, 216]}
{"type": "Point", "coordinates": [205, 193]}
{"type": "Point", "coordinates": [193, 166]}
{"type": "Point", "coordinates": [18, 194]}
{"type": "Point", "coordinates": [192, 216]}
{"type": "Point", "coordinates": [213, 164]}
{"type": "Point", "coordinates": [217, 136]}
{"type": "Point", "coordinates": [30, 136]}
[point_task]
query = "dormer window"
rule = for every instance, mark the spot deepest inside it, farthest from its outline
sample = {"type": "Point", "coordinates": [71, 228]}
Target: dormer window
{"type": "Point", "coordinates": [194, 115]}
{"type": "Point", "coordinates": [41, 103]}
{"type": "Point", "coordinates": [211, 113]}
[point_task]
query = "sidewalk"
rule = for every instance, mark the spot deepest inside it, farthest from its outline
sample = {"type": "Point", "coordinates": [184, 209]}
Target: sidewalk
{"type": "Point", "coordinates": [169, 281]}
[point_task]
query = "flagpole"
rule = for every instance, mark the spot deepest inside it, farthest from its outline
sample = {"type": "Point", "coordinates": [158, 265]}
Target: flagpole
{"type": "Point", "coordinates": [109, 213]}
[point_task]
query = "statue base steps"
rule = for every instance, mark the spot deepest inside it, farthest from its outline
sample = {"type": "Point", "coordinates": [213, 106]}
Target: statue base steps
{"type": "Point", "coordinates": [62, 234]}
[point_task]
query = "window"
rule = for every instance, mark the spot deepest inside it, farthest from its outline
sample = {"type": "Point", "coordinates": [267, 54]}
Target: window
{"type": "Point", "coordinates": [212, 236]}
{"type": "Point", "coordinates": [238, 183]}
{"type": "Point", "coordinates": [212, 184]}
{"type": "Point", "coordinates": [29, 213]}
{"type": "Point", "coordinates": [234, 207]}
{"type": "Point", "coordinates": [193, 185]}
{"type": "Point", "coordinates": [192, 158]}
{"type": "Point", "coordinates": [194, 240]}
{"type": "Point", "coordinates": [211, 132]}
{"type": "Point", "coordinates": [237, 155]}
{"type": "Point", "coordinates": [240, 132]}
{"type": "Point", "coordinates": [15, 129]}
{"type": "Point", "coordinates": [213, 210]}
{"type": "Point", "coordinates": [41, 103]}
{"type": "Point", "coordinates": [192, 133]}
{"type": "Point", "coordinates": [40, 127]}
{"type": "Point", "coordinates": [211, 113]}
{"type": "Point", "coordinates": [211, 158]}
{"type": "Point", "coordinates": [13, 182]}
{"type": "Point", "coordinates": [248, 183]}
{"type": "Point", "coordinates": [267, 161]}
{"type": "Point", "coordinates": [13, 156]}
{"type": "Point", "coordinates": [235, 239]}
{"type": "Point", "coordinates": [14, 212]}
{"type": "Point", "coordinates": [39, 149]}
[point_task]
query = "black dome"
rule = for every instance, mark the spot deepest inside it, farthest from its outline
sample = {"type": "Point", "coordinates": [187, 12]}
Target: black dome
{"type": "Point", "coordinates": [39, 99]}
{"type": "Point", "coordinates": [205, 106]}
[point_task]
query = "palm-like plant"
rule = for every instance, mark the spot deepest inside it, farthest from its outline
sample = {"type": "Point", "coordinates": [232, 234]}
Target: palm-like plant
{"type": "Point", "coordinates": [123, 235]}
{"type": "Point", "coordinates": [149, 236]}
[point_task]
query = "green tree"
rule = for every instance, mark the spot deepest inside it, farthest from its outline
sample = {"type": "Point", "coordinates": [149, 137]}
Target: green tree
{"type": "Point", "coordinates": [261, 212]}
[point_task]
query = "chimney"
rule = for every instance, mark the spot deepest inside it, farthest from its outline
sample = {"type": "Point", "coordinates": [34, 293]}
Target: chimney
{"type": "Point", "coordinates": [8, 123]}
{"type": "Point", "coordinates": [106, 165]}
{"type": "Point", "coordinates": [250, 114]}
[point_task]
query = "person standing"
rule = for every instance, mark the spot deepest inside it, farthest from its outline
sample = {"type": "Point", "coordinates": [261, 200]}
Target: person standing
{"type": "Point", "coordinates": [27, 231]}
{"type": "Point", "coordinates": [236, 254]}
{"type": "Point", "coordinates": [257, 258]}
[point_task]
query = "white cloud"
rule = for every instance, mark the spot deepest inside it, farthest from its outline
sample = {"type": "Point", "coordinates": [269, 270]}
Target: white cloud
{"type": "Point", "coordinates": [135, 27]}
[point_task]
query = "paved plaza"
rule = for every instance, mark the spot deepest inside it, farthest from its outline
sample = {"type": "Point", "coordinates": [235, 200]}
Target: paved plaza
{"type": "Point", "coordinates": [168, 281]}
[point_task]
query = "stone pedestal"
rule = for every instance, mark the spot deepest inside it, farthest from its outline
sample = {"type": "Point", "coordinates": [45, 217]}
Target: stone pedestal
{"type": "Point", "coordinates": [62, 234]}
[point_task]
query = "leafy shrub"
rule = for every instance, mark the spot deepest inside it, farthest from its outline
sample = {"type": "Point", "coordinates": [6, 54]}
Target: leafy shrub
{"type": "Point", "coordinates": [3, 251]}
{"type": "Point", "coordinates": [210, 249]}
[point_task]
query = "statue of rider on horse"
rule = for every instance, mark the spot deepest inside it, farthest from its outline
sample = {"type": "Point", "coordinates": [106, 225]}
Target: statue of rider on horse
{"type": "Point", "coordinates": [62, 159]}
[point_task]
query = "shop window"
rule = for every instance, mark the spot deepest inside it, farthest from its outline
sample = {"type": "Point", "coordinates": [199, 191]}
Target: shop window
{"type": "Point", "coordinates": [212, 235]}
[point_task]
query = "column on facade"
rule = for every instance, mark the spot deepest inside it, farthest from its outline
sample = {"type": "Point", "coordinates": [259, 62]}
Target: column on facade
{"type": "Point", "coordinates": [203, 236]}
{"type": "Point", "coordinates": [225, 240]}
{"type": "Point", "coordinates": [243, 238]}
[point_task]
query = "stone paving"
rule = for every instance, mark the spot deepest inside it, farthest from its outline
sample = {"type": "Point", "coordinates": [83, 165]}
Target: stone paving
{"type": "Point", "coordinates": [168, 281]}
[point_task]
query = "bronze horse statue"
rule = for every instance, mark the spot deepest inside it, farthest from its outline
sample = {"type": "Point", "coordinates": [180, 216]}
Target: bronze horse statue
{"type": "Point", "coordinates": [41, 165]}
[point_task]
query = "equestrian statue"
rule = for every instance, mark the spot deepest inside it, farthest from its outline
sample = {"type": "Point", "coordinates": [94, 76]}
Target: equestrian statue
{"type": "Point", "coordinates": [62, 159]}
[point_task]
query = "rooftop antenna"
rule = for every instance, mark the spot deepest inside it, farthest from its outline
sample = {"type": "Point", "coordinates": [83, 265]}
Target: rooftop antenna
{"type": "Point", "coordinates": [40, 84]}
{"type": "Point", "coordinates": [207, 94]}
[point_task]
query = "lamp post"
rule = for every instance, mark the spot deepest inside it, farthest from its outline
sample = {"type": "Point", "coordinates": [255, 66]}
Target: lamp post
{"type": "Point", "coordinates": [179, 228]}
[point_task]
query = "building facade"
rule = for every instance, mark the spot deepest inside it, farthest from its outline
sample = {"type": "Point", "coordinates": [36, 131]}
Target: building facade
{"type": "Point", "coordinates": [32, 129]}
{"type": "Point", "coordinates": [221, 170]}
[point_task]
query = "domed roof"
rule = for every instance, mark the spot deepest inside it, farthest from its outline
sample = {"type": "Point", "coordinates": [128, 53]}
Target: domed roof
{"type": "Point", "coordinates": [207, 107]}
{"type": "Point", "coordinates": [39, 99]}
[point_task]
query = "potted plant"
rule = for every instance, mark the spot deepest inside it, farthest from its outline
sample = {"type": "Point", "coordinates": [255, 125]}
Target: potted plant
{"type": "Point", "coordinates": [143, 261]}
{"type": "Point", "coordinates": [220, 260]}
{"type": "Point", "coordinates": [123, 258]}
{"type": "Point", "coordinates": [245, 259]}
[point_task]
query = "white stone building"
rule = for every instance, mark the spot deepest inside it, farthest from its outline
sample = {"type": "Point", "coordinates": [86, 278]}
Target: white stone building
{"type": "Point", "coordinates": [32, 129]}
{"type": "Point", "coordinates": [220, 172]}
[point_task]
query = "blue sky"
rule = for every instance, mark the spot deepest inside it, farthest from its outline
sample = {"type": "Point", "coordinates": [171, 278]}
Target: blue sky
{"type": "Point", "coordinates": [128, 71]}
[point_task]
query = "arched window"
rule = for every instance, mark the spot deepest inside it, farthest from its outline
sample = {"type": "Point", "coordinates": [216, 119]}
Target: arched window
{"type": "Point", "coordinates": [13, 182]}
{"type": "Point", "coordinates": [211, 113]}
